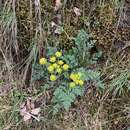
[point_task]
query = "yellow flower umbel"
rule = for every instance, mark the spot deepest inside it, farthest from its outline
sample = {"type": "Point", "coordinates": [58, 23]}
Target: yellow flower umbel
{"type": "Point", "coordinates": [53, 59]}
{"type": "Point", "coordinates": [72, 76]}
{"type": "Point", "coordinates": [58, 54]}
{"type": "Point", "coordinates": [72, 85]}
{"type": "Point", "coordinates": [55, 65]}
{"type": "Point", "coordinates": [59, 70]}
{"type": "Point", "coordinates": [50, 68]}
{"type": "Point", "coordinates": [60, 62]}
{"type": "Point", "coordinates": [81, 82]}
{"type": "Point", "coordinates": [53, 77]}
{"type": "Point", "coordinates": [65, 67]}
{"type": "Point", "coordinates": [75, 77]}
{"type": "Point", "coordinates": [76, 82]}
{"type": "Point", "coordinates": [58, 66]}
{"type": "Point", "coordinates": [43, 61]}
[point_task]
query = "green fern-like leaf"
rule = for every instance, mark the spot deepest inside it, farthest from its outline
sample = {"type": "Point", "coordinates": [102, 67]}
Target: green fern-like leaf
{"type": "Point", "coordinates": [63, 98]}
{"type": "Point", "coordinates": [37, 73]}
{"type": "Point", "coordinates": [121, 82]}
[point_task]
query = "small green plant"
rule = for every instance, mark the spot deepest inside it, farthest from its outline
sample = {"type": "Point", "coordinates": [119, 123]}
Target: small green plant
{"type": "Point", "coordinates": [6, 18]}
{"type": "Point", "coordinates": [9, 108]}
{"type": "Point", "coordinates": [80, 54]}
{"type": "Point", "coordinates": [120, 83]}
{"type": "Point", "coordinates": [66, 73]}
{"type": "Point", "coordinates": [67, 82]}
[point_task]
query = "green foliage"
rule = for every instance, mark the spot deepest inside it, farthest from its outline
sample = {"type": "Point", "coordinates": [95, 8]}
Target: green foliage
{"type": "Point", "coordinates": [80, 55]}
{"type": "Point", "coordinates": [62, 97]}
{"type": "Point", "coordinates": [37, 74]}
{"type": "Point", "coordinates": [17, 98]}
{"type": "Point", "coordinates": [9, 111]}
{"type": "Point", "coordinates": [69, 84]}
{"type": "Point", "coordinates": [117, 3]}
{"type": "Point", "coordinates": [128, 128]}
{"type": "Point", "coordinates": [6, 18]}
{"type": "Point", "coordinates": [51, 50]}
{"type": "Point", "coordinates": [121, 82]}
{"type": "Point", "coordinates": [95, 76]}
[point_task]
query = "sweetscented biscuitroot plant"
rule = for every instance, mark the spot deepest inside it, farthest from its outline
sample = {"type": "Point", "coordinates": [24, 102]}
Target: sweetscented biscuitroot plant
{"type": "Point", "coordinates": [54, 65]}
{"type": "Point", "coordinates": [65, 75]}
{"type": "Point", "coordinates": [67, 81]}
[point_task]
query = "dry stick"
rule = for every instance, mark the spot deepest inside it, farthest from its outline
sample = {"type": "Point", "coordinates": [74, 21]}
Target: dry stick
{"type": "Point", "coordinates": [38, 21]}
{"type": "Point", "coordinates": [38, 29]}
{"type": "Point", "coordinates": [7, 64]}
{"type": "Point", "coordinates": [32, 116]}
{"type": "Point", "coordinates": [14, 27]}
{"type": "Point", "coordinates": [121, 10]}
{"type": "Point", "coordinates": [39, 25]}
{"type": "Point", "coordinates": [10, 35]}
{"type": "Point", "coordinates": [0, 5]}
{"type": "Point", "coordinates": [31, 18]}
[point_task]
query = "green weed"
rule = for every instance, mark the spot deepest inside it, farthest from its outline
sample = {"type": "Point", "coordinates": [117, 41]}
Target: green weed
{"type": "Point", "coordinates": [66, 75]}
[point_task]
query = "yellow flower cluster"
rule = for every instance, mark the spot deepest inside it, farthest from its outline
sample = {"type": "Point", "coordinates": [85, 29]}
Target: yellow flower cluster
{"type": "Point", "coordinates": [76, 78]}
{"type": "Point", "coordinates": [58, 54]}
{"type": "Point", "coordinates": [43, 61]}
{"type": "Point", "coordinates": [53, 77]}
{"type": "Point", "coordinates": [55, 65]}
{"type": "Point", "coordinates": [53, 59]}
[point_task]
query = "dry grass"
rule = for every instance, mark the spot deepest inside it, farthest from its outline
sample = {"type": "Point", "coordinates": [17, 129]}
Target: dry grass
{"type": "Point", "coordinates": [25, 32]}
